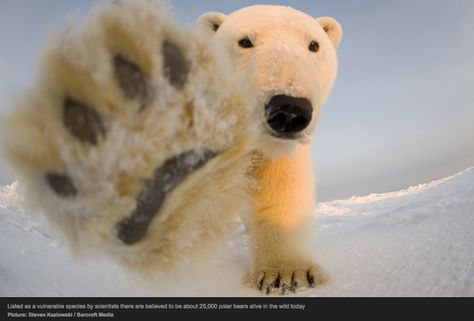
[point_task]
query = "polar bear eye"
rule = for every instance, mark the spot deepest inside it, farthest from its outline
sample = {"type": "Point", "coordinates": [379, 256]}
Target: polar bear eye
{"type": "Point", "coordinates": [313, 46]}
{"type": "Point", "coordinates": [245, 43]}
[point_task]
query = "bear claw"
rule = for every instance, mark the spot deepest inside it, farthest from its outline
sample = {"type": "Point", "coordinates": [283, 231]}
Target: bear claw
{"type": "Point", "coordinates": [284, 280]}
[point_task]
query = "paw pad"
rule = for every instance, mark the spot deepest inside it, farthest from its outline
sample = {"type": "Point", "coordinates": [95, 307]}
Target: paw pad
{"type": "Point", "coordinates": [167, 177]}
{"type": "Point", "coordinates": [131, 79]}
{"type": "Point", "coordinates": [176, 68]}
{"type": "Point", "coordinates": [61, 184]}
{"type": "Point", "coordinates": [82, 121]}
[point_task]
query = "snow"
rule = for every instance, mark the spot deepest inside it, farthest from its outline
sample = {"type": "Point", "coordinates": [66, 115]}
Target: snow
{"type": "Point", "coordinates": [414, 242]}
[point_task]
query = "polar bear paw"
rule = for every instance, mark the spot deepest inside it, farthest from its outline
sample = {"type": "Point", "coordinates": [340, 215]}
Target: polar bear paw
{"type": "Point", "coordinates": [127, 107]}
{"type": "Point", "coordinates": [285, 280]}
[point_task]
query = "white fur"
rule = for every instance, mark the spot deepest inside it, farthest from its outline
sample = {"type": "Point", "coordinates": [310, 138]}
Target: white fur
{"type": "Point", "coordinates": [280, 63]}
{"type": "Point", "coordinates": [210, 112]}
{"type": "Point", "coordinates": [221, 107]}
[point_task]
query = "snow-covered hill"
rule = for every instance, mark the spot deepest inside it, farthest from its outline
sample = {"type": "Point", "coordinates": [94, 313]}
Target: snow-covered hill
{"type": "Point", "coordinates": [414, 242]}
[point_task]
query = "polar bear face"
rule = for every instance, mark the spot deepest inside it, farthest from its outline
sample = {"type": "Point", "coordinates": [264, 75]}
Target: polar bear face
{"type": "Point", "coordinates": [288, 59]}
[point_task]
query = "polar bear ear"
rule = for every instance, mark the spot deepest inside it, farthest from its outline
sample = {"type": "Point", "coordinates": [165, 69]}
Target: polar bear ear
{"type": "Point", "coordinates": [332, 28]}
{"type": "Point", "coordinates": [211, 21]}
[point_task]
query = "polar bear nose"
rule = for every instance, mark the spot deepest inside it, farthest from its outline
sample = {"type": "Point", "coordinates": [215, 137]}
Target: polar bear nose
{"type": "Point", "coordinates": [288, 115]}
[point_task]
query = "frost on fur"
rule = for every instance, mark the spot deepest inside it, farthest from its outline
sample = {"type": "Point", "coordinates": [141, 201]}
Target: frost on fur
{"type": "Point", "coordinates": [129, 142]}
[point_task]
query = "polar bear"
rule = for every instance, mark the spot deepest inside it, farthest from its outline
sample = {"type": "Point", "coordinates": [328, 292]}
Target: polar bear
{"type": "Point", "coordinates": [289, 59]}
{"type": "Point", "coordinates": [143, 140]}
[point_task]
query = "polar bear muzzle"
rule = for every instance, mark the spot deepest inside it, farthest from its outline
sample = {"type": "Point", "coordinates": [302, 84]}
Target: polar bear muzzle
{"type": "Point", "coordinates": [288, 116]}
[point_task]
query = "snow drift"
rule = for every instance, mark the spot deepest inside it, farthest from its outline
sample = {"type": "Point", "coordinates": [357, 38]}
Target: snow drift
{"type": "Point", "coordinates": [414, 242]}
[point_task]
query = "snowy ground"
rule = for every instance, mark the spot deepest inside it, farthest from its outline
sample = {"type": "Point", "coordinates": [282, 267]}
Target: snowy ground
{"type": "Point", "coordinates": [414, 242]}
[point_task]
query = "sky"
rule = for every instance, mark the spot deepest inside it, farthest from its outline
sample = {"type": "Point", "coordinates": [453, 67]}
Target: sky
{"type": "Point", "coordinates": [402, 108]}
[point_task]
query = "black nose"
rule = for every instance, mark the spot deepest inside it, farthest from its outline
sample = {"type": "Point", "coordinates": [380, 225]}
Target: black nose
{"type": "Point", "coordinates": [288, 115]}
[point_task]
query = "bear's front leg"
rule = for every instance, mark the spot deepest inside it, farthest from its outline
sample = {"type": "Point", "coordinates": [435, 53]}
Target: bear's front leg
{"type": "Point", "coordinates": [280, 226]}
{"type": "Point", "coordinates": [133, 139]}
